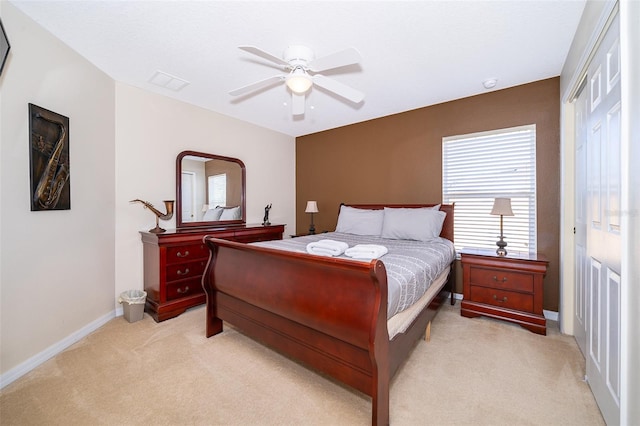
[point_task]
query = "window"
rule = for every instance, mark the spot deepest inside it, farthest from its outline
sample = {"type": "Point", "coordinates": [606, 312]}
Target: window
{"type": "Point", "coordinates": [217, 190]}
{"type": "Point", "coordinates": [479, 167]}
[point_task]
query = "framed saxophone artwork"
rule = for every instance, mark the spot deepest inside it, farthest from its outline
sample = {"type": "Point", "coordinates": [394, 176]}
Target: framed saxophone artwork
{"type": "Point", "coordinates": [49, 160]}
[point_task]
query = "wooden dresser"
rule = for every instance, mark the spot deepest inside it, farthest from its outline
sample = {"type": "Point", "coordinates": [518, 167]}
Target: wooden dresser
{"type": "Point", "coordinates": [508, 288]}
{"type": "Point", "coordinates": [174, 262]}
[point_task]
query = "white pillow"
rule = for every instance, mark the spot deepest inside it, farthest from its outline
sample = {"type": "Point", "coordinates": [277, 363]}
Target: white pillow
{"type": "Point", "coordinates": [232, 213]}
{"type": "Point", "coordinates": [360, 221]}
{"type": "Point", "coordinates": [212, 214]}
{"type": "Point", "coordinates": [420, 224]}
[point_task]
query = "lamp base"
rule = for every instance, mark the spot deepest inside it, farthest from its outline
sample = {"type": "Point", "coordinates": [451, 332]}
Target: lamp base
{"type": "Point", "coordinates": [501, 251]}
{"type": "Point", "coordinates": [312, 227]}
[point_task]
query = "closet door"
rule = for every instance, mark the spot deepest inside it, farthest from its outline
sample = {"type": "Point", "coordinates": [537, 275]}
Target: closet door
{"type": "Point", "coordinates": [189, 197]}
{"type": "Point", "coordinates": [598, 180]}
{"type": "Point", "coordinates": [581, 315]}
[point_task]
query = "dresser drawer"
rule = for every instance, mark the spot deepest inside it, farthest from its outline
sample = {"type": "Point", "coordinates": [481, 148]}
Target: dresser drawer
{"type": "Point", "coordinates": [183, 253]}
{"type": "Point", "coordinates": [184, 288]}
{"type": "Point", "coordinates": [504, 299]}
{"type": "Point", "coordinates": [501, 279]}
{"type": "Point", "coordinates": [185, 270]}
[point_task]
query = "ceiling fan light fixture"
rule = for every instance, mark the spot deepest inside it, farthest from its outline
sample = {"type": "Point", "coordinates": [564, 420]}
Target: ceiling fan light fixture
{"type": "Point", "coordinates": [299, 81]}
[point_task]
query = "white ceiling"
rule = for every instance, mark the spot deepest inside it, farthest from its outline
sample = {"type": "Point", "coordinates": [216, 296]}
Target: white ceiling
{"type": "Point", "coordinates": [415, 53]}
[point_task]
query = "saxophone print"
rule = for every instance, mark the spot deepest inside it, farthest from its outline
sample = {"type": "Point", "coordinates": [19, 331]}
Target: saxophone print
{"type": "Point", "coordinates": [55, 173]}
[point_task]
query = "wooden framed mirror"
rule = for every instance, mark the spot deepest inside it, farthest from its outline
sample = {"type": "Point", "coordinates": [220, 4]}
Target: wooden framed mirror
{"type": "Point", "coordinates": [210, 190]}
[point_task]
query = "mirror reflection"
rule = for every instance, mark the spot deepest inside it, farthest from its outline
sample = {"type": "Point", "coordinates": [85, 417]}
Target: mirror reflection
{"type": "Point", "coordinates": [210, 190]}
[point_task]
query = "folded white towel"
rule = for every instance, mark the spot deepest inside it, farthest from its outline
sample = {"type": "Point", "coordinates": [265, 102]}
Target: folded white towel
{"type": "Point", "coordinates": [366, 251]}
{"type": "Point", "coordinates": [327, 247]}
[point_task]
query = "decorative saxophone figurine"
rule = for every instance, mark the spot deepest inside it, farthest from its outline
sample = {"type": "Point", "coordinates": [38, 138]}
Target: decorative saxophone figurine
{"type": "Point", "coordinates": [54, 176]}
{"type": "Point", "coordinates": [158, 213]}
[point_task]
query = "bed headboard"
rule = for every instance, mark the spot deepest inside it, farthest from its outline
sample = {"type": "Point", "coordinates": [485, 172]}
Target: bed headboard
{"type": "Point", "coordinates": [447, 226]}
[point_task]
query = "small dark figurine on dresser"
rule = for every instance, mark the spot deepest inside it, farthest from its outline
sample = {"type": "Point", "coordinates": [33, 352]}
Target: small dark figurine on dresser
{"type": "Point", "coordinates": [265, 221]}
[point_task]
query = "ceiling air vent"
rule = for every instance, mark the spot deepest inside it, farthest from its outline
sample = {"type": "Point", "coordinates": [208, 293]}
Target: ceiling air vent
{"type": "Point", "coordinates": [168, 81]}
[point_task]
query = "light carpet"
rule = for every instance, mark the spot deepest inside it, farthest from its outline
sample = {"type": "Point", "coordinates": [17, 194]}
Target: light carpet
{"type": "Point", "coordinates": [473, 372]}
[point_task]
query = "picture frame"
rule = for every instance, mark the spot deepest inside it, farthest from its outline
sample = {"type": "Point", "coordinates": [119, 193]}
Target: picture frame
{"type": "Point", "coordinates": [49, 160]}
{"type": "Point", "coordinates": [5, 46]}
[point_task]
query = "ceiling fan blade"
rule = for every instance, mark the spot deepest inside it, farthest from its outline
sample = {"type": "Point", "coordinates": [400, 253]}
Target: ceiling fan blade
{"type": "Point", "coordinates": [297, 104]}
{"type": "Point", "coordinates": [265, 55]}
{"type": "Point", "coordinates": [338, 88]}
{"type": "Point", "coordinates": [339, 59]}
{"type": "Point", "coordinates": [257, 85]}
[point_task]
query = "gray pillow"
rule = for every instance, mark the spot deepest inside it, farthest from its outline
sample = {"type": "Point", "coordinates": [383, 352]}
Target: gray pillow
{"type": "Point", "coordinates": [419, 224]}
{"type": "Point", "coordinates": [360, 221]}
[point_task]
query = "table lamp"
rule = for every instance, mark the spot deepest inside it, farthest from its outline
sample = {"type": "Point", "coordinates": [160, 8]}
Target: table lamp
{"type": "Point", "coordinates": [312, 207]}
{"type": "Point", "coordinates": [502, 207]}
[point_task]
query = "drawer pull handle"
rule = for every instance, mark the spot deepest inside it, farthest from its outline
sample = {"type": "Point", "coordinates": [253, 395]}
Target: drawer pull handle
{"type": "Point", "coordinates": [504, 279]}
{"type": "Point", "coordinates": [504, 299]}
{"type": "Point", "coordinates": [186, 271]}
{"type": "Point", "coordinates": [181, 291]}
{"type": "Point", "coordinates": [186, 253]}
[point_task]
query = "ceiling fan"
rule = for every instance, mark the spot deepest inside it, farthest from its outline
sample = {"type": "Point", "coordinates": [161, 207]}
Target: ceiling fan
{"type": "Point", "coordinates": [301, 71]}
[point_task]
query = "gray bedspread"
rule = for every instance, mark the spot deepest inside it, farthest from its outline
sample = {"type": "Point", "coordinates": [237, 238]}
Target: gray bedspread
{"type": "Point", "coordinates": [411, 265]}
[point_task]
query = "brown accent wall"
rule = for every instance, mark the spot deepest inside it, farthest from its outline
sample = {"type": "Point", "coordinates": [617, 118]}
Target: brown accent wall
{"type": "Point", "coordinates": [398, 159]}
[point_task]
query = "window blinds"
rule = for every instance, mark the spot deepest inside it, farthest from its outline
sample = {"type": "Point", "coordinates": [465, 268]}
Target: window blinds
{"type": "Point", "coordinates": [218, 190]}
{"type": "Point", "coordinates": [479, 167]}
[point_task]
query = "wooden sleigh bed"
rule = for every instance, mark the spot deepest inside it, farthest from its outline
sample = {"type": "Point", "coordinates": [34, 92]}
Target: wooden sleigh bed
{"type": "Point", "coordinates": [329, 313]}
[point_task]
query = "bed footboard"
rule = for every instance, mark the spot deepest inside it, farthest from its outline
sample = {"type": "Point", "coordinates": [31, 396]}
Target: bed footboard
{"type": "Point", "coordinates": [326, 312]}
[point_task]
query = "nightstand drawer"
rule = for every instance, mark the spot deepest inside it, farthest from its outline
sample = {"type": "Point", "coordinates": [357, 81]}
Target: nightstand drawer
{"type": "Point", "coordinates": [504, 299]}
{"type": "Point", "coordinates": [501, 279]}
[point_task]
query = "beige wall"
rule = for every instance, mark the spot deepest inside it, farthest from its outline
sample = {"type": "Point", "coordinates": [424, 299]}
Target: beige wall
{"type": "Point", "coordinates": [399, 159]}
{"type": "Point", "coordinates": [57, 269]}
{"type": "Point", "coordinates": [152, 130]}
{"type": "Point", "coordinates": [62, 271]}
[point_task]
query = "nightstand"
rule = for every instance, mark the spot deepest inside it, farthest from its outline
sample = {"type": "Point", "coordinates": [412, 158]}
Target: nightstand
{"type": "Point", "coordinates": [504, 287]}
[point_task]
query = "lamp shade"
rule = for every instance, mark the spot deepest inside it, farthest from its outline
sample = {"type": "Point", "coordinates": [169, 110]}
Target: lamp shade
{"type": "Point", "coordinates": [312, 207]}
{"type": "Point", "coordinates": [502, 207]}
{"type": "Point", "coordinates": [299, 81]}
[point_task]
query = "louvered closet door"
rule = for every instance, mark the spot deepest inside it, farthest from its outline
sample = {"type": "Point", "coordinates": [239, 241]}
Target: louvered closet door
{"type": "Point", "coordinates": [598, 245]}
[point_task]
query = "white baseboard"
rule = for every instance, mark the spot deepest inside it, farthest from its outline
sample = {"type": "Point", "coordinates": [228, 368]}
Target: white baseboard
{"type": "Point", "coordinates": [53, 350]}
{"type": "Point", "coordinates": [550, 315]}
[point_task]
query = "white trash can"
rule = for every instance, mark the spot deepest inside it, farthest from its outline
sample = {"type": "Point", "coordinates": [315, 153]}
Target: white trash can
{"type": "Point", "coordinates": [133, 304]}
